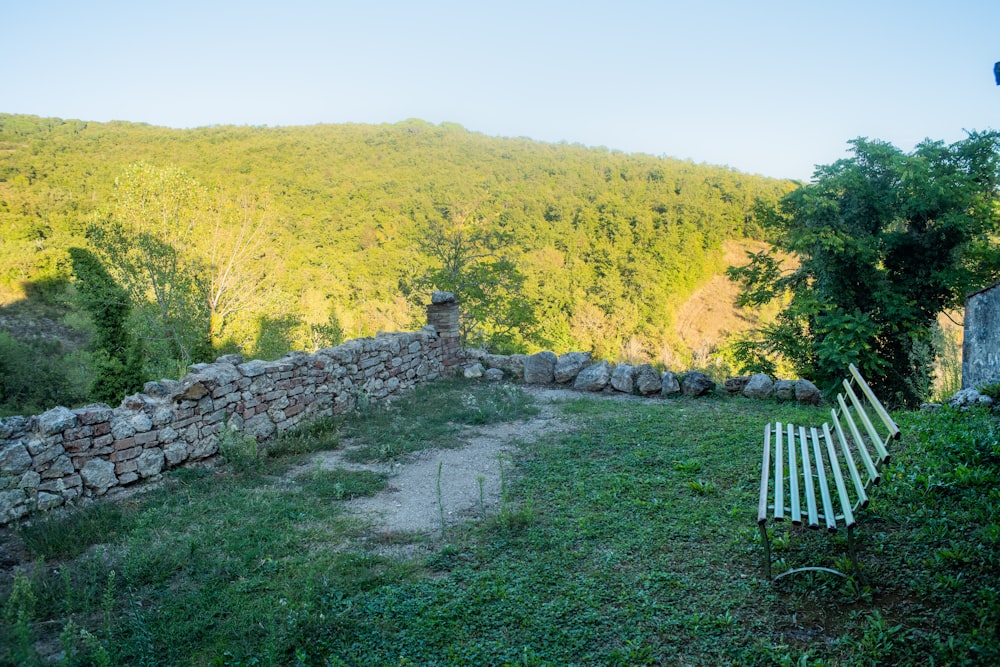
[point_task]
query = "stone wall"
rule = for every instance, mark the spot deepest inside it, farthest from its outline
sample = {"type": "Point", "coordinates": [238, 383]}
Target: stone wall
{"type": "Point", "coordinates": [981, 348]}
{"type": "Point", "coordinates": [61, 455]}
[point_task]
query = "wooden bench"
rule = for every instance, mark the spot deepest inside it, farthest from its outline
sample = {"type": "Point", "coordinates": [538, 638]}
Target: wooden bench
{"type": "Point", "coordinates": [820, 476]}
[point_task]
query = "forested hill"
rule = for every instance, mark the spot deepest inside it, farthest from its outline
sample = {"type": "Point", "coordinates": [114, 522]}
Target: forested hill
{"type": "Point", "coordinates": [576, 247]}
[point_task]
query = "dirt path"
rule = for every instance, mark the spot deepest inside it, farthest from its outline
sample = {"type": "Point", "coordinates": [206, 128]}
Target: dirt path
{"type": "Point", "coordinates": [470, 476]}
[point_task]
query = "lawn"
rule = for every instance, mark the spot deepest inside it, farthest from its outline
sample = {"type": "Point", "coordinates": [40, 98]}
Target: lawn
{"type": "Point", "coordinates": [628, 541]}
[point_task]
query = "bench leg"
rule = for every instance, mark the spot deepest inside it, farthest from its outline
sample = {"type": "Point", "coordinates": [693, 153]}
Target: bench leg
{"type": "Point", "coordinates": [767, 549]}
{"type": "Point", "coordinates": [854, 555]}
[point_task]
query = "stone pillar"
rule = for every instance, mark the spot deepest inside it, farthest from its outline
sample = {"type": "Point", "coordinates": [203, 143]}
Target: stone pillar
{"type": "Point", "coordinates": [981, 346]}
{"type": "Point", "coordinates": [442, 314]}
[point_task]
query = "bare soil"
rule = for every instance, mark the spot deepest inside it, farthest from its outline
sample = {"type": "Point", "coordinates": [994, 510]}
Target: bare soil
{"type": "Point", "coordinates": [448, 485]}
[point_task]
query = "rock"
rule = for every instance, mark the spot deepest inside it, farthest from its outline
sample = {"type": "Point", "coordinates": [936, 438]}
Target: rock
{"type": "Point", "coordinates": [512, 365]}
{"type": "Point", "coordinates": [593, 378]}
{"type": "Point", "coordinates": [260, 426]}
{"type": "Point", "coordinates": [141, 422]}
{"type": "Point", "coordinates": [47, 501]}
{"type": "Point", "coordinates": [56, 420]}
{"type": "Point", "coordinates": [60, 467]}
{"type": "Point", "coordinates": [737, 384]}
{"type": "Point", "coordinates": [930, 407]}
{"type": "Point", "coordinates": [194, 391]}
{"type": "Point", "coordinates": [161, 389]}
{"type": "Point", "coordinates": [669, 384]}
{"type": "Point", "coordinates": [623, 378]}
{"type": "Point", "coordinates": [94, 413]}
{"type": "Point", "coordinates": [967, 398]}
{"type": "Point", "coordinates": [474, 371]}
{"type": "Point", "coordinates": [12, 505]}
{"type": "Point", "coordinates": [438, 298]}
{"type": "Point", "coordinates": [569, 365]}
{"type": "Point", "coordinates": [648, 380]}
{"type": "Point", "coordinates": [121, 428]}
{"type": "Point", "coordinates": [697, 383]}
{"type": "Point", "coordinates": [208, 446]}
{"type": "Point", "coordinates": [493, 375]}
{"type": "Point", "coordinates": [759, 386]}
{"type": "Point", "coordinates": [99, 475]}
{"type": "Point", "coordinates": [150, 462]}
{"type": "Point", "coordinates": [14, 459]}
{"type": "Point", "coordinates": [539, 368]}
{"type": "Point", "coordinates": [174, 453]}
{"type": "Point", "coordinates": [256, 367]}
{"type": "Point", "coordinates": [806, 392]}
{"type": "Point", "coordinates": [784, 390]}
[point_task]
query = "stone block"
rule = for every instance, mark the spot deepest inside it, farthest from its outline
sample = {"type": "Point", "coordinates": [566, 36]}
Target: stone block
{"type": "Point", "coordinates": [150, 462]}
{"type": "Point", "coordinates": [99, 475]}
{"type": "Point", "coordinates": [60, 466]}
{"type": "Point", "coordinates": [127, 478]}
{"type": "Point", "coordinates": [93, 414]}
{"type": "Point", "coordinates": [669, 384]}
{"type": "Point", "coordinates": [175, 453]}
{"type": "Point", "coordinates": [125, 454]}
{"type": "Point", "coordinates": [55, 420]}
{"type": "Point", "coordinates": [14, 458]}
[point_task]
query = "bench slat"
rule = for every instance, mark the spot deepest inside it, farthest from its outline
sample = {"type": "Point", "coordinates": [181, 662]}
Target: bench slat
{"type": "Point", "coordinates": [838, 478]}
{"type": "Point", "coordinates": [824, 489]}
{"type": "Point", "coordinates": [765, 469]}
{"type": "Point", "coordinates": [883, 455]}
{"type": "Point", "coordinates": [859, 442]}
{"type": "Point", "coordinates": [807, 477]}
{"type": "Point", "coordinates": [859, 487]}
{"type": "Point", "coordinates": [793, 478]}
{"type": "Point", "coordinates": [779, 481]}
{"type": "Point", "coordinates": [877, 404]}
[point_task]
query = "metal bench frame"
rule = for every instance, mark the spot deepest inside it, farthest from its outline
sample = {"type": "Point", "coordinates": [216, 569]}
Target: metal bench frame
{"type": "Point", "coordinates": [821, 459]}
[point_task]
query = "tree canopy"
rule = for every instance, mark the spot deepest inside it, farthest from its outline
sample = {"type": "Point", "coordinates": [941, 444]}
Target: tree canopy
{"type": "Point", "coordinates": [598, 247]}
{"type": "Point", "coordinates": [887, 241]}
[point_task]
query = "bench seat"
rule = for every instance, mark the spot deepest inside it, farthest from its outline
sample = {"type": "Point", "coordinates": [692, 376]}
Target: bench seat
{"type": "Point", "coordinates": [820, 476]}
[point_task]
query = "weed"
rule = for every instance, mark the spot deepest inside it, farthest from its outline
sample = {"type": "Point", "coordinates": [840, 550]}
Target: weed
{"type": "Point", "coordinates": [55, 536]}
{"type": "Point", "coordinates": [703, 487]}
{"type": "Point", "coordinates": [440, 501]}
{"type": "Point", "coordinates": [19, 613]}
{"type": "Point", "coordinates": [240, 450]}
{"type": "Point", "coordinates": [316, 435]}
{"type": "Point", "coordinates": [689, 466]}
{"type": "Point", "coordinates": [601, 554]}
{"type": "Point", "coordinates": [341, 484]}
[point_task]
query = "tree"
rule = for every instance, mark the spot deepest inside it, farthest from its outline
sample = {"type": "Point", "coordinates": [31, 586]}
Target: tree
{"type": "Point", "coordinates": [188, 259]}
{"type": "Point", "coordinates": [145, 240]}
{"type": "Point", "coordinates": [887, 241]}
{"type": "Point", "coordinates": [235, 276]}
{"type": "Point", "coordinates": [471, 258]}
{"type": "Point", "coordinates": [119, 359]}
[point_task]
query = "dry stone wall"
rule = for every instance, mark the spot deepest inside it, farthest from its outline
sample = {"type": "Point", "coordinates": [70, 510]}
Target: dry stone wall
{"type": "Point", "coordinates": [57, 457]}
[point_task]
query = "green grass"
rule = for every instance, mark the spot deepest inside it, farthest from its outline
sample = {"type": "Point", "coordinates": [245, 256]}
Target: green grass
{"type": "Point", "coordinates": [630, 541]}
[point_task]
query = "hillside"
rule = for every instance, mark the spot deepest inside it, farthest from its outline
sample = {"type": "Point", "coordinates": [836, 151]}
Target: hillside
{"type": "Point", "coordinates": [590, 248]}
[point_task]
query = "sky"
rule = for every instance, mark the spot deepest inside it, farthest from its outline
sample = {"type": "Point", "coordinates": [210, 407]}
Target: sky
{"type": "Point", "coordinates": [767, 87]}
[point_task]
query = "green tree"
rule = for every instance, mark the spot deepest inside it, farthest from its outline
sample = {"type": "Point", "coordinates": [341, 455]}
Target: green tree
{"type": "Point", "coordinates": [887, 240]}
{"type": "Point", "coordinates": [189, 259]}
{"type": "Point", "coordinates": [145, 239]}
{"type": "Point", "coordinates": [119, 356]}
{"type": "Point", "coordinates": [472, 258]}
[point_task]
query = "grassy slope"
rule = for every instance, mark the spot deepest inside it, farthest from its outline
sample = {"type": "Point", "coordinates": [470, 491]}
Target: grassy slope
{"type": "Point", "coordinates": [628, 542]}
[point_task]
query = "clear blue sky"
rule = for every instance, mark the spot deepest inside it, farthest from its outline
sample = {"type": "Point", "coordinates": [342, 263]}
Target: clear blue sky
{"type": "Point", "coordinates": [765, 87]}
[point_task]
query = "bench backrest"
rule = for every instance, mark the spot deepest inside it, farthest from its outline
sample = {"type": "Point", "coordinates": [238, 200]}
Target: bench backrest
{"type": "Point", "coordinates": [827, 469]}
